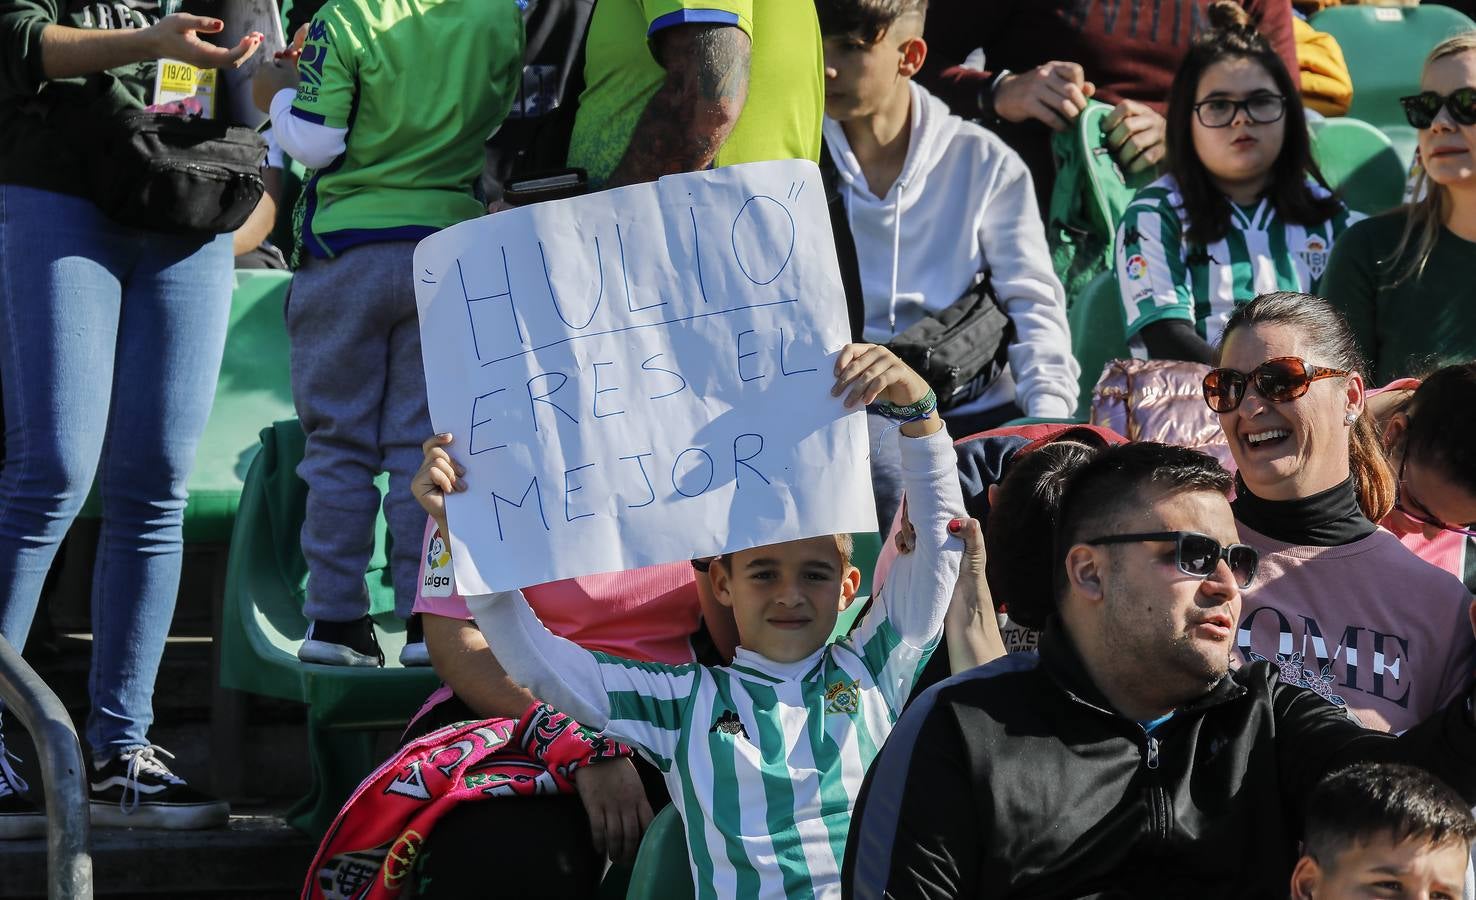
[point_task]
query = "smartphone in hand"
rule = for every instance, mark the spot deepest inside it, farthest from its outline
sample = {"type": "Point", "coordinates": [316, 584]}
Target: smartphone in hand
{"type": "Point", "coordinates": [542, 186]}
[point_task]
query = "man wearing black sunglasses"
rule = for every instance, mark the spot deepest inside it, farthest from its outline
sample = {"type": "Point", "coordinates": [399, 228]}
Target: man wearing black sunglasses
{"type": "Point", "coordinates": [1125, 759]}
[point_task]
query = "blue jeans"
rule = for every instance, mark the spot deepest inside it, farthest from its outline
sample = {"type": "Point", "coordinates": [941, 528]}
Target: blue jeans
{"type": "Point", "coordinates": [110, 346]}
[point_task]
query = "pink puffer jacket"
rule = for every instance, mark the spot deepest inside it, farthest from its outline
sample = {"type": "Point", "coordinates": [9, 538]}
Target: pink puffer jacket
{"type": "Point", "coordinates": [1159, 400]}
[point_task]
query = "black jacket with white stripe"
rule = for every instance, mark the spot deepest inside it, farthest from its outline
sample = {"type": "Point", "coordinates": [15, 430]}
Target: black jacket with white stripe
{"type": "Point", "coordinates": [1017, 780]}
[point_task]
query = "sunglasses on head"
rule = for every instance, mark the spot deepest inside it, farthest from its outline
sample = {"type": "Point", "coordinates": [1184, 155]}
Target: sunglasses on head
{"type": "Point", "coordinates": [1421, 109]}
{"type": "Point", "coordinates": [1411, 508]}
{"type": "Point", "coordinates": [1197, 554]}
{"type": "Point", "coordinates": [1281, 379]}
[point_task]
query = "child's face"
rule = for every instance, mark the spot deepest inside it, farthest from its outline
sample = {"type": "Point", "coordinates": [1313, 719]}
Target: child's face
{"type": "Point", "coordinates": [859, 77]}
{"type": "Point", "coordinates": [1241, 153]}
{"type": "Point", "coordinates": [785, 597]}
{"type": "Point", "coordinates": [1380, 868]}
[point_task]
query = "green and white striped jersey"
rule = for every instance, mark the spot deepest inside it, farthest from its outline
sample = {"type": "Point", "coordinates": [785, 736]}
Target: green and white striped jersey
{"type": "Point", "coordinates": [1162, 275]}
{"type": "Point", "coordinates": [763, 759]}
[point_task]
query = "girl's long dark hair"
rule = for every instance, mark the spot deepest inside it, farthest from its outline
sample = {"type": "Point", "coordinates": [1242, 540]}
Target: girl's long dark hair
{"type": "Point", "coordinates": [1207, 210]}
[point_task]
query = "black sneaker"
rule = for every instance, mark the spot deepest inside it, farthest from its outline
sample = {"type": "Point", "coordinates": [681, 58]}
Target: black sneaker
{"type": "Point", "coordinates": [414, 652]}
{"type": "Point", "coordinates": [341, 644]}
{"type": "Point", "coordinates": [136, 790]}
{"type": "Point", "coordinates": [19, 817]}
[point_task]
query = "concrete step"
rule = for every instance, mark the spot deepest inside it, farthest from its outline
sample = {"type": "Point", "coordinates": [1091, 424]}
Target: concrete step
{"type": "Point", "coordinates": [257, 856]}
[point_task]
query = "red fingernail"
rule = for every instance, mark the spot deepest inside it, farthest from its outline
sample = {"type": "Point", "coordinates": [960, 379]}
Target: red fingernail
{"type": "Point", "coordinates": [955, 526]}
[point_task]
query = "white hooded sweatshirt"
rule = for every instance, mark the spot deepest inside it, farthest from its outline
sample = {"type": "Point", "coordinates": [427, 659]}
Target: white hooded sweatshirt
{"type": "Point", "coordinates": [963, 203]}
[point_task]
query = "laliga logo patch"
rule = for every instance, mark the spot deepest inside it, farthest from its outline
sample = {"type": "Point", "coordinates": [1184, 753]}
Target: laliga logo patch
{"type": "Point", "coordinates": [1137, 267]}
{"type": "Point", "coordinates": [1314, 254]}
{"type": "Point", "coordinates": [437, 580]}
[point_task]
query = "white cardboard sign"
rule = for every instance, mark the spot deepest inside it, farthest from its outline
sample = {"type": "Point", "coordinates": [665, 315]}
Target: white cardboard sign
{"type": "Point", "coordinates": [641, 376]}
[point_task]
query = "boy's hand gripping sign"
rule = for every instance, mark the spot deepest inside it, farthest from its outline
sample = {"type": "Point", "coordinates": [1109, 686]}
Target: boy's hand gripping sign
{"type": "Point", "coordinates": [641, 376]}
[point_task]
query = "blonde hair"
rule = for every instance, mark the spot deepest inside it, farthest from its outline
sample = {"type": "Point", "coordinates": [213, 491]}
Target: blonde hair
{"type": "Point", "coordinates": [1425, 216]}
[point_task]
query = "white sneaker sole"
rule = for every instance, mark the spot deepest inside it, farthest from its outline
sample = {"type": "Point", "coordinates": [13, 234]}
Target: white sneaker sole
{"type": "Point", "coordinates": [326, 654]}
{"type": "Point", "coordinates": [414, 655]}
{"type": "Point", "coordinates": [191, 817]}
{"type": "Point", "coordinates": [21, 826]}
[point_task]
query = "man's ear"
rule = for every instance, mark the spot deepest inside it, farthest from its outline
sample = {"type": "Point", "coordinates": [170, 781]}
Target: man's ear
{"type": "Point", "coordinates": [1306, 878]}
{"type": "Point", "coordinates": [1084, 571]}
{"type": "Point", "coordinates": [850, 584]}
{"type": "Point", "coordinates": [722, 581]}
{"type": "Point", "coordinates": [914, 52]}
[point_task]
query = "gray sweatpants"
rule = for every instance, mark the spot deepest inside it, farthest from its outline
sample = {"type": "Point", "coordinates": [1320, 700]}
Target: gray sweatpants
{"type": "Point", "coordinates": [359, 390]}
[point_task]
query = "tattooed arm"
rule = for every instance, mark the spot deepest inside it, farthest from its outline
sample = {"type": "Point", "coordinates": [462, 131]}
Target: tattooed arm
{"type": "Point", "coordinates": [690, 116]}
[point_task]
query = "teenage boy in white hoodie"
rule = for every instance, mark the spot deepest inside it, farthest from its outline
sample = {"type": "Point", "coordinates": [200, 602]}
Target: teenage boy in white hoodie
{"type": "Point", "coordinates": [933, 201]}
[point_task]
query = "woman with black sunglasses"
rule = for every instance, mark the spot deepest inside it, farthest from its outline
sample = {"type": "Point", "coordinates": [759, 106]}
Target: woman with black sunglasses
{"type": "Point", "coordinates": [1340, 605]}
{"type": "Point", "coordinates": [1243, 209]}
{"type": "Point", "coordinates": [1405, 279]}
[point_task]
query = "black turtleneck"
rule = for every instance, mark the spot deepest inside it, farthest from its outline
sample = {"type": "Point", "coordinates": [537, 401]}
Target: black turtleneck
{"type": "Point", "coordinates": [1330, 518]}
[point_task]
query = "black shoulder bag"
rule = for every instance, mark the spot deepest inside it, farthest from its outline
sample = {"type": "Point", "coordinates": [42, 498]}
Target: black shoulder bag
{"type": "Point", "coordinates": [959, 350]}
{"type": "Point", "coordinates": [175, 174]}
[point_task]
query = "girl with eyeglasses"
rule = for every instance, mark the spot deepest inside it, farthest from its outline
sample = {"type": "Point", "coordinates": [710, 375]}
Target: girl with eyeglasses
{"type": "Point", "coordinates": [1429, 438]}
{"type": "Point", "coordinates": [1405, 279]}
{"type": "Point", "coordinates": [1243, 209]}
{"type": "Point", "coordinates": [1339, 604]}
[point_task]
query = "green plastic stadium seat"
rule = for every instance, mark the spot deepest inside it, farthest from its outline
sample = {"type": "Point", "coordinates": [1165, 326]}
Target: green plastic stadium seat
{"type": "Point", "coordinates": [262, 626]}
{"type": "Point", "coordinates": [1359, 161]}
{"type": "Point", "coordinates": [661, 868]}
{"type": "Point", "coordinates": [865, 550]}
{"type": "Point", "coordinates": [1406, 141]}
{"type": "Point", "coordinates": [1385, 47]}
{"type": "Point", "coordinates": [1097, 333]}
{"type": "Point", "coordinates": [253, 390]}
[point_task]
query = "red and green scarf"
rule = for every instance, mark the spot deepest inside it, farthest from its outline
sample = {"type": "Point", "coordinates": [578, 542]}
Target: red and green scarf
{"type": "Point", "coordinates": [370, 850]}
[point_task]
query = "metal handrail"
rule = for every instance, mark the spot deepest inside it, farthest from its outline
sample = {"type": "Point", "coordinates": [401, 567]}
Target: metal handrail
{"type": "Point", "coordinates": [68, 826]}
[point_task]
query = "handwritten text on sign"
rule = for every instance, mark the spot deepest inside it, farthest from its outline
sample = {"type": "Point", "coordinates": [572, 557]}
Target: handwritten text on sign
{"type": "Point", "coordinates": [642, 376]}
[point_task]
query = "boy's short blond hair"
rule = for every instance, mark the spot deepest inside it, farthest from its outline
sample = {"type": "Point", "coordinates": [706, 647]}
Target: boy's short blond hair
{"type": "Point", "coordinates": [843, 542]}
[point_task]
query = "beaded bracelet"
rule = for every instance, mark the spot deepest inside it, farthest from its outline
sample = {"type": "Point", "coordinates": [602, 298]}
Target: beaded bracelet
{"type": "Point", "coordinates": [912, 412]}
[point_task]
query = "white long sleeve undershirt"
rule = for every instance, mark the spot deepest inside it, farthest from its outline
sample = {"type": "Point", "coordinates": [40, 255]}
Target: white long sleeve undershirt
{"type": "Point", "coordinates": [315, 146]}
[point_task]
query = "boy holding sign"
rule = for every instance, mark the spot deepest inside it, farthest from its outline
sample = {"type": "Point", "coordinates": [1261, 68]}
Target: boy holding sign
{"type": "Point", "coordinates": [764, 757]}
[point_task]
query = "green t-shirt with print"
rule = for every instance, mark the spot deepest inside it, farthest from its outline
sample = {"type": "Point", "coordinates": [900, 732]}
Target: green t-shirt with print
{"type": "Point", "coordinates": [1417, 325]}
{"type": "Point", "coordinates": [419, 84]}
{"type": "Point", "coordinates": [786, 96]}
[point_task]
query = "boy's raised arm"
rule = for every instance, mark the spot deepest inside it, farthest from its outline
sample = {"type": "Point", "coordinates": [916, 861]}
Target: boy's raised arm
{"type": "Point", "coordinates": [558, 671]}
{"type": "Point", "coordinates": [920, 586]}
{"type": "Point", "coordinates": [918, 590]}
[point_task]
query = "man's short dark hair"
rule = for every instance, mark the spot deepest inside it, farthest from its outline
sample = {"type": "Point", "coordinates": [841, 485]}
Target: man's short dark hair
{"type": "Point", "coordinates": [1124, 479]}
{"type": "Point", "coordinates": [1360, 803]}
{"type": "Point", "coordinates": [865, 20]}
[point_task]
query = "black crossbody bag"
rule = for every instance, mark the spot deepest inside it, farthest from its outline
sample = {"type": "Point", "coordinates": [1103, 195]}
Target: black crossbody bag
{"type": "Point", "coordinates": [959, 350]}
